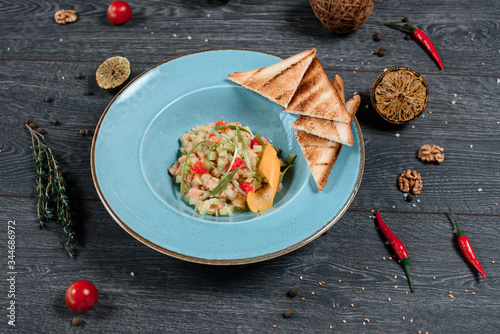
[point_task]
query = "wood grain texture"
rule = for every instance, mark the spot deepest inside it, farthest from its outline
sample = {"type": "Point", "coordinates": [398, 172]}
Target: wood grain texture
{"type": "Point", "coordinates": [40, 58]}
{"type": "Point", "coordinates": [175, 296]}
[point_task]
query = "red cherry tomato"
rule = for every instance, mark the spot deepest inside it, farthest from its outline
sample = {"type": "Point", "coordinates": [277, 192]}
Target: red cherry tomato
{"type": "Point", "coordinates": [119, 12]}
{"type": "Point", "coordinates": [81, 296]}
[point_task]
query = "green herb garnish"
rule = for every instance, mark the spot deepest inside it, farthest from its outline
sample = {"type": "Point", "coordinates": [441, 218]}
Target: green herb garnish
{"type": "Point", "coordinates": [224, 182]}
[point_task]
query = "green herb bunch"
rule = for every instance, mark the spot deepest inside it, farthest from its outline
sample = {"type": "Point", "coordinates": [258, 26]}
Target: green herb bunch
{"type": "Point", "coordinates": [53, 201]}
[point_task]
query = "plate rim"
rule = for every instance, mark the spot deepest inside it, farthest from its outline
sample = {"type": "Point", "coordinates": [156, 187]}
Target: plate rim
{"type": "Point", "coordinates": [220, 262]}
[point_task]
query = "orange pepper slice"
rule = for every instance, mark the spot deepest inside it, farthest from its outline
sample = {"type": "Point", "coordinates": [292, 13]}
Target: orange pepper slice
{"type": "Point", "coordinates": [269, 165]}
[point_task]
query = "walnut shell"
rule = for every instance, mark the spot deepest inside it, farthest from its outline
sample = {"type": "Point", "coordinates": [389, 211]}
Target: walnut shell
{"type": "Point", "coordinates": [431, 153]}
{"type": "Point", "coordinates": [410, 181]}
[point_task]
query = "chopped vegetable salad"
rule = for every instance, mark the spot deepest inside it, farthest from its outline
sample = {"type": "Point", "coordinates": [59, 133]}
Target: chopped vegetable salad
{"type": "Point", "coordinates": [219, 167]}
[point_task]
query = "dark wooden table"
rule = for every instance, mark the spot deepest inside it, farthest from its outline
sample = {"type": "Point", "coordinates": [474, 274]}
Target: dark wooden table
{"type": "Point", "coordinates": [143, 291]}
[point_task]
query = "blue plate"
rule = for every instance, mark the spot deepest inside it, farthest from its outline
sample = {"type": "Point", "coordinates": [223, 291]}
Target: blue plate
{"type": "Point", "coordinates": [137, 139]}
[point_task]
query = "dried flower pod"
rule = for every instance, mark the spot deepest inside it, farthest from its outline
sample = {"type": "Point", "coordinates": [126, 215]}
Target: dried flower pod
{"type": "Point", "coordinates": [410, 181]}
{"type": "Point", "coordinates": [64, 16]}
{"type": "Point", "coordinates": [399, 95]}
{"type": "Point", "coordinates": [431, 153]}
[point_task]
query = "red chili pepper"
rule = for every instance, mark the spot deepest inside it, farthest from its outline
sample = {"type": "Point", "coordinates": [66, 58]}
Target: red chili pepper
{"type": "Point", "coordinates": [466, 248]}
{"type": "Point", "coordinates": [423, 38]}
{"type": "Point", "coordinates": [398, 247]}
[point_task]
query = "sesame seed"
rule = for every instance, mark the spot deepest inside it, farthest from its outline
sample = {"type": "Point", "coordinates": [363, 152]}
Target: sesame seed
{"type": "Point", "coordinates": [364, 323]}
{"type": "Point", "coordinates": [369, 62]}
{"type": "Point", "coordinates": [312, 293]}
{"type": "Point", "coordinates": [403, 318]}
{"type": "Point", "coordinates": [389, 299]}
{"type": "Point", "coordinates": [411, 320]}
{"type": "Point", "coordinates": [331, 327]}
{"type": "Point", "coordinates": [366, 267]}
{"type": "Point", "coordinates": [302, 298]}
{"type": "Point", "coordinates": [383, 258]}
{"type": "Point", "coordinates": [352, 305]}
{"type": "Point", "coordinates": [363, 288]}
{"type": "Point", "coordinates": [351, 272]}
{"type": "Point", "coordinates": [390, 257]}
{"type": "Point", "coordinates": [434, 277]}
{"type": "Point", "coordinates": [344, 321]}
{"type": "Point", "coordinates": [395, 287]}
{"type": "Point", "coordinates": [300, 277]}
{"type": "Point", "coordinates": [406, 292]}
{"type": "Point", "coordinates": [274, 326]}
{"type": "Point", "coordinates": [466, 290]}
{"type": "Point", "coordinates": [132, 274]}
{"type": "Point", "coordinates": [494, 261]}
{"type": "Point", "coordinates": [341, 59]}
{"type": "Point", "coordinates": [395, 276]}
{"type": "Point", "coordinates": [473, 293]}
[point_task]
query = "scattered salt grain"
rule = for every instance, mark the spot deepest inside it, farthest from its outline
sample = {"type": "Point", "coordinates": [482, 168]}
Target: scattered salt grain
{"type": "Point", "coordinates": [471, 146]}
{"type": "Point", "coordinates": [132, 274]}
{"type": "Point", "coordinates": [189, 37]}
{"type": "Point", "coordinates": [455, 95]}
{"type": "Point", "coordinates": [208, 15]}
{"type": "Point", "coordinates": [397, 135]}
{"type": "Point", "coordinates": [479, 189]}
{"type": "Point", "coordinates": [60, 40]}
{"type": "Point", "coordinates": [413, 126]}
{"type": "Point", "coordinates": [175, 35]}
{"type": "Point", "coordinates": [446, 122]}
{"type": "Point", "coordinates": [418, 200]}
{"type": "Point", "coordinates": [366, 107]}
{"type": "Point", "coordinates": [385, 69]}
{"type": "Point", "coordinates": [413, 205]}
{"type": "Point", "coordinates": [8, 49]}
{"type": "Point", "coordinates": [145, 27]}
{"type": "Point", "coordinates": [206, 41]}
{"type": "Point", "coordinates": [393, 206]}
{"type": "Point", "coordinates": [152, 32]}
{"type": "Point", "coordinates": [453, 102]}
{"type": "Point", "coordinates": [498, 80]}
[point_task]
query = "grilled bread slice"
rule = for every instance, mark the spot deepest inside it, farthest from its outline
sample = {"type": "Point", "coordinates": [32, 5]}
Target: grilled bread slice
{"type": "Point", "coordinates": [320, 154]}
{"type": "Point", "coordinates": [331, 130]}
{"type": "Point", "coordinates": [316, 96]}
{"type": "Point", "coordinates": [277, 82]}
{"type": "Point", "coordinates": [338, 84]}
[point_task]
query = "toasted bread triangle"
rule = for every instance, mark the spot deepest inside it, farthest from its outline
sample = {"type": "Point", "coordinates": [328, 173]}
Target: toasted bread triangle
{"type": "Point", "coordinates": [331, 130]}
{"type": "Point", "coordinates": [320, 153]}
{"type": "Point", "coordinates": [316, 96]}
{"type": "Point", "coordinates": [277, 82]}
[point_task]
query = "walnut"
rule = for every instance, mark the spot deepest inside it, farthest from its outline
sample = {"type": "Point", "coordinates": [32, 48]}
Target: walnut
{"type": "Point", "coordinates": [431, 153]}
{"type": "Point", "coordinates": [64, 16]}
{"type": "Point", "coordinates": [410, 181]}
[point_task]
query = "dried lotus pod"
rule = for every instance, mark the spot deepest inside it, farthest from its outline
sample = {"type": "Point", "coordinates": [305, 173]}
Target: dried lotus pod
{"type": "Point", "coordinates": [399, 95]}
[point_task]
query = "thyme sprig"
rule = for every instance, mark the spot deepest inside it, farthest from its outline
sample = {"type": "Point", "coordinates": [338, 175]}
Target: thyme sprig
{"type": "Point", "coordinates": [52, 200]}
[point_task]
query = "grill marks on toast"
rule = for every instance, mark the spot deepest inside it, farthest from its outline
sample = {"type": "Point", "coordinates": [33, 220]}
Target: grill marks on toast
{"type": "Point", "coordinates": [277, 82]}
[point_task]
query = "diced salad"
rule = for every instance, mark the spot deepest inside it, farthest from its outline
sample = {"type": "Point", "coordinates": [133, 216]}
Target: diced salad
{"type": "Point", "coordinates": [218, 167]}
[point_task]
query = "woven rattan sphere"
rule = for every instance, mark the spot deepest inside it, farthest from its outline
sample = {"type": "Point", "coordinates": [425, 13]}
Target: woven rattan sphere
{"type": "Point", "coordinates": [342, 16]}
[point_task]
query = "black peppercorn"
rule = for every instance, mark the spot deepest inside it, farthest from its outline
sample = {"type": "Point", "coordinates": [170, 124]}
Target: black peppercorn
{"type": "Point", "coordinates": [82, 132]}
{"type": "Point", "coordinates": [408, 24]}
{"type": "Point", "coordinates": [377, 37]}
{"type": "Point", "coordinates": [405, 19]}
{"type": "Point", "coordinates": [88, 132]}
{"type": "Point", "coordinates": [77, 321]}
{"type": "Point", "coordinates": [288, 314]}
{"type": "Point", "coordinates": [55, 121]}
{"type": "Point", "coordinates": [292, 292]}
{"type": "Point", "coordinates": [88, 92]}
{"type": "Point", "coordinates": [28, 121]}
{"type": "Point", "coordinates": [407, 37]}
{"type": "Point", "coordinates": [48, 99]}
{"type": "Point", "coordinates": [41, 131]}
{"type": "Point", "coordinates": [409, 198]}
{"type": "Point", "coordinates": [381, 52]}
{"type": "Point", "coordinates": [32, 125]}
{"type": "Point", "coordinates": [79, 76]}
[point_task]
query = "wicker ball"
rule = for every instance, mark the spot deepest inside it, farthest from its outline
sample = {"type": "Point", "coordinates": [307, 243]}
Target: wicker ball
{"type": "Point", "coordinates": [342, 16]}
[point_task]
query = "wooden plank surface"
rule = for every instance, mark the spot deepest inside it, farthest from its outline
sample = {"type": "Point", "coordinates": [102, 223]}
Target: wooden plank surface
{"type": "Point", "coordinates": [40, 58]}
